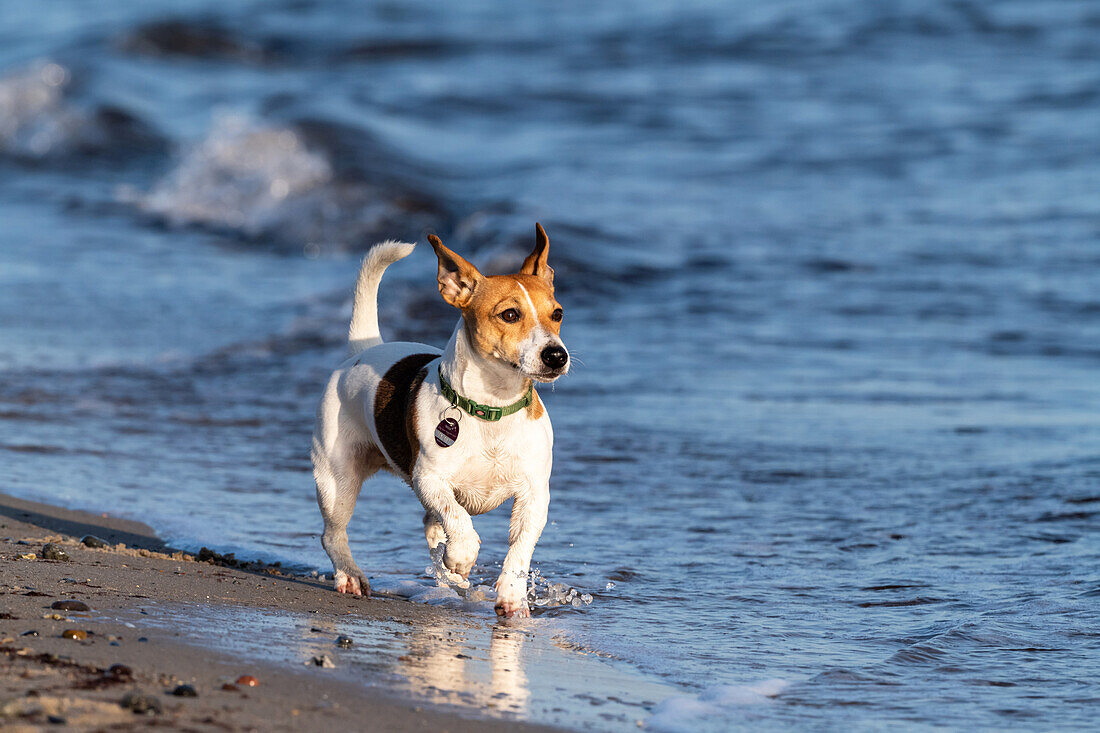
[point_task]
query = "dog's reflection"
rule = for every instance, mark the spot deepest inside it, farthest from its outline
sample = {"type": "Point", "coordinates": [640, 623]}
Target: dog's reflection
{"type": "Point", "coordinates": [449, 663]}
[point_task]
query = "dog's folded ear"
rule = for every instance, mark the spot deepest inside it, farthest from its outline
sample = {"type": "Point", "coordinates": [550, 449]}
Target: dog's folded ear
{"type": "Point", "coordinates": [535, 264]}
{"type": "Point", "coordinates": [458, 279]}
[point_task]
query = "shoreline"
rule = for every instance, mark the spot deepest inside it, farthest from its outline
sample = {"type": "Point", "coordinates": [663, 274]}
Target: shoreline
{"type": "Point", "coordinates": [149, 605]}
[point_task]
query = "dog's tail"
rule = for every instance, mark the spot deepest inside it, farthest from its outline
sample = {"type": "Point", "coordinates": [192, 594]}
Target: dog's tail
{"type": "Point", "coordinates": [363, 332]}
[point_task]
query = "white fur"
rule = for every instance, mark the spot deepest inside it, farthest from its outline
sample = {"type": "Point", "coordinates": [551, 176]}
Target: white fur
{"type": "Point", "coordinates": [489, 463]}
{"type": "Point", "coordinates": [531, 348]}
{"type": "Point", "coordinates": [363, 331]}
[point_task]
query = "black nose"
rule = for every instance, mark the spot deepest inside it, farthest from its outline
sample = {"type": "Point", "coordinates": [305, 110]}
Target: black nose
{"type": "Point", "coordinates": [555, 357]}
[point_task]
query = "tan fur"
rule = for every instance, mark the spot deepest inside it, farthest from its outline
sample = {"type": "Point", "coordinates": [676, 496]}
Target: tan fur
{"type": "Point", "coordinates": [535, 410]}
{"type": "Point", "coordinates": [536, 262]}
{"type": "Point", "coordinates": [490, 334]}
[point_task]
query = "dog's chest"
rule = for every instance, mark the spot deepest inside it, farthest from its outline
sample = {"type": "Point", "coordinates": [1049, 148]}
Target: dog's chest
{"type": "Point", "coordinates": [493, 464]}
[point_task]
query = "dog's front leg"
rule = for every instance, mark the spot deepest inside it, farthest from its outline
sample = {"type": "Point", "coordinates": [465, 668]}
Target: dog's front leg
{"type": "Point", "coordinates": [528, 518]}
{"type": "Point", "coordinates": [462, 544]}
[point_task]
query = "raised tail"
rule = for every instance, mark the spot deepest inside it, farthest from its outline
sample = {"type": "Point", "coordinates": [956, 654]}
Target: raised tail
{"type": "Point", "coordinates": [363, 332]}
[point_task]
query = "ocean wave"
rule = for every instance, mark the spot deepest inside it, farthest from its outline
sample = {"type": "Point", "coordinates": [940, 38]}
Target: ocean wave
{"type": "Point", "coordinates": [40, 119]}
{"type": "Point", "coordinates": [263, 181]}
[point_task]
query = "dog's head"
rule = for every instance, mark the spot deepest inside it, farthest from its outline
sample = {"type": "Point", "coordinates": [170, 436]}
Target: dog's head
{"type": "Point", "coordinates": [513, 319]}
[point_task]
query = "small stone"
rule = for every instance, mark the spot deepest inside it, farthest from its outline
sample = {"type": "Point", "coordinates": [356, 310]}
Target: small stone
{"type": "Point", "coordinates": [90, 540]}
{"type": "Point", "coordinates": [315, 630]}
{"type": "Point", "coordinates": [344, 641]}
{"type": "Point", "coordinates": [74, 634]}
{"type": "Point", "coordinates": [141, 704]}
{"type": "Point", "coordinates": [56, 720]}
{"type": "Point", "coordinates": [185, 691]}
{"type": "Point", "coordinates": [32, 632]}
{"type": "Point", "coordinates": [229, 687]}
{"type": "Point", "coordinates": [28, 556]}
{"type": "Point", "coordinates": [115, 643]}
{"type": "Point", "coordinates": [53, 616]}
{"type": "Point", "coordinates": [120, 672]}
{"type": "Point", "coordinates": [143, 638]}
{"type": "Point", "coordinates": [323, 661]}
{"type": "Point", "coordinates": [248, 680]}
{"type": "Point", "coordinates": [70, 606]}
{"type": "Point", "coordinates": [51, 551]}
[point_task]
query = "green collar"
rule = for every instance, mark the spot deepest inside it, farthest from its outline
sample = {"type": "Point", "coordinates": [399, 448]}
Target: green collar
{"type": "Point", "coordinates": [485, 412]}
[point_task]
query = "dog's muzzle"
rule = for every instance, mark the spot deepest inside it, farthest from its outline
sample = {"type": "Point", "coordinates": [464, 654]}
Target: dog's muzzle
{"type": "Point", "coordinates": [555, 357]}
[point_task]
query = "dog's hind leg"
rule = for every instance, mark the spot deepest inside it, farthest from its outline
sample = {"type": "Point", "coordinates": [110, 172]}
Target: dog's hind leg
{"type": "Point", "coordinates": [340, 475]}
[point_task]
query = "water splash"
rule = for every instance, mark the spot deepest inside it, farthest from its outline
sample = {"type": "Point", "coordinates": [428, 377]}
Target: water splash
{"type": "Point", "coordinates": [542, 593]}
{"type": "Point", "coordinates": [438, 570]}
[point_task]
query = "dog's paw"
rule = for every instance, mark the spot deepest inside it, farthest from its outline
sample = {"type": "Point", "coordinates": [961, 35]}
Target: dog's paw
{"type": "Point", "coordinates": [355, 584]}
{"type": "Point", "coordinates": [511, 610]}
{"type": "Point", "coordinates": [460, 553]}
{"type": "Point", "coordinates": [512, 596]}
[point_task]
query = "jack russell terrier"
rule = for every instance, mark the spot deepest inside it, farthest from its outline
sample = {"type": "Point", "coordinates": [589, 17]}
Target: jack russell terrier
{"type": "Point", "coordinates": [464, 428]}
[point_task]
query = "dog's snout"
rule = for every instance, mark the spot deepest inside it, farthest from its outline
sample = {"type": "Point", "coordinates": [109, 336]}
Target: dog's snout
{"type": "Point", "coordinates": [555, 357]}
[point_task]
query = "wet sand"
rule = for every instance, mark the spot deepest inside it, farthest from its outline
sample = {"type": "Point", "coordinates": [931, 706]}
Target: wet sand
{"type": "Point", "coordinates": [46, 678]}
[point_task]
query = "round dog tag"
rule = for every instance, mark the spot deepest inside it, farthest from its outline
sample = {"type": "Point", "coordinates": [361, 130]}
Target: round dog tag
{"type": "Point", "coordinates": [446, 432]}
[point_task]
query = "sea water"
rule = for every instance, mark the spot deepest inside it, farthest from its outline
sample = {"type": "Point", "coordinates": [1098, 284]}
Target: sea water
{"type": "Point", "coordinates": [829, 454]}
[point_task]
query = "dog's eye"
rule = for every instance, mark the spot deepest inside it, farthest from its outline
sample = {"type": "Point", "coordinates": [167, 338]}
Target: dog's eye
{"type": "Point", "coordinates": [510, 316]}
{"type": "Point", "coordinates": [557, 315]}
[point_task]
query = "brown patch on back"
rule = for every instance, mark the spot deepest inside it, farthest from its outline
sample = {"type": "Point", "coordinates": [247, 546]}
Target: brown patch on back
{"type": "Point", "coordinates": [410, 417]}
{"type": "Point", "coordinates": [391, 409]}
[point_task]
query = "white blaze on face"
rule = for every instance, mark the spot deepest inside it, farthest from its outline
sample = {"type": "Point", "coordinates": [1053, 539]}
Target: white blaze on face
{"type": "Point", "coordinates": [530, 349]}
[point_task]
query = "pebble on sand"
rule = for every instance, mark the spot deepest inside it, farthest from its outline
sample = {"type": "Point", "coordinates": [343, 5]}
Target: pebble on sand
{"type": "Point", "coordinates": [90, 540]}
{"type": "Point", "coordinates": [248, 680]}
{"type": "Point", "coordinates": [141, 704]}
{"type": "Point", "coordinates": [344, 641]}
{"type": "Point", "coordinates": [51, 551]}
{"type": "Point", "coordinates": [322, 661]}
{"type": "Point", "coordinates": [120, 672]}
{"type": "Point", "coordinates": [185, 691]}
{"type": "Point", "coordinates": [70, 606]}
{"type": "Point", "coordinates": [74, 634]}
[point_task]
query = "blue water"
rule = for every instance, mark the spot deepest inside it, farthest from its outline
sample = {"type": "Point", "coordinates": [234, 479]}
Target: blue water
{"type": "Point", "coordinates": [831, 269]}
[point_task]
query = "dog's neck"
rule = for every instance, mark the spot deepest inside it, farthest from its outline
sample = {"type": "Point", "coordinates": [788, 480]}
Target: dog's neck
{"type": "Point", "coordinates": [478, 378]}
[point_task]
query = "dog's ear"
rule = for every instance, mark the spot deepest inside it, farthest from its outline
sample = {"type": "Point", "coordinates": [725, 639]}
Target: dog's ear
{"type": "Point", "coordinates": [535, 264]}
{"type": "Point", "coordinates": [458, 279]}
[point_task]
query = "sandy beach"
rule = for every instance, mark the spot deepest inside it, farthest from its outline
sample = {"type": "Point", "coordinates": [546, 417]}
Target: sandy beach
{"type": "Point", "coordinates": [49, 679]}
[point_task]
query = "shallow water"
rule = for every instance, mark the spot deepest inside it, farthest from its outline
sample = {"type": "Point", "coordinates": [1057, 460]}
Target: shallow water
{"type": "Point", "coordinates": [829, 269]}
{"type": "Point", "coordinates": [523, 671]}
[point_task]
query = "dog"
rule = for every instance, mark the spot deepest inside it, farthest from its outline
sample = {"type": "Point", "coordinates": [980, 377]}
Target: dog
{"type": "Point", "coordinates": [463, 426]}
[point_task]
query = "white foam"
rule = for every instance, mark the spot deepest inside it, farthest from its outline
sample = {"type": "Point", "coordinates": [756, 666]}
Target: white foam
{"type": "Point", "coordinates": [241, 177]}
{"type": "Point", "coordinates": [686, 712]}
{"type": "Point", "coordinates": [35, 119]}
